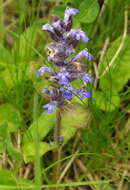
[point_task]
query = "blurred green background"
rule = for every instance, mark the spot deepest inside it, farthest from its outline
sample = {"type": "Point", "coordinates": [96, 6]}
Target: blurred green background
{"type": "Point", "coordinates": [95, 152]}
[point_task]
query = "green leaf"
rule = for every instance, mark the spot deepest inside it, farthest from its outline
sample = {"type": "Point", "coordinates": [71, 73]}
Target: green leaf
{"type": "Point", "coordinates": [29, 150]}
{"type": "Point", "coordinates": [43, 125]}
{"type": "Point", "coordinates": [88, 11]}
{"type": "Point", "coordinates": [3, 136]}
{"type": "Point", "coordinates": [10, 115]}
{"type": "Point", "coordinates": [7, 178]}
{"type": "Point", "coordinates": [105, 100]}
{"type": "Point", "coordinates": [5, 143]}
{"type": "Point", "coordinates": [13, 152]}
{"type": "Point", "coordinates": [23, 47]}
{"type": "Point", "coordinates": [73, 118]}
{"type": "Point", "coordinates": [119, 72]}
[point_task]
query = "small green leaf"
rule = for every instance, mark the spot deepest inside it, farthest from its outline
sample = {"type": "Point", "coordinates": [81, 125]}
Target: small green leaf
{"type": "Point", "coordinates": [29, 150]}
{"type": "Point", "coordinates": [13, 152]}
{"type": "Point", "coordinates": [88, 11]}
{"type": "Point", "coordinates": [118, 73]}
{"type": "Point", "coordinates": [106, 101]}
{"type": "Point", "coordinates": [7, 178]}
{"type": "Point", "coordinates": [10, 115]}
{"type": "Point", "coordinates": [43, 125]}
{"type": "Point", "coordinates": [73, 118]}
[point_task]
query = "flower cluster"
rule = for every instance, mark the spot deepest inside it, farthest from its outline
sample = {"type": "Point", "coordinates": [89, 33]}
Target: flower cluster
{"type": "Point", "coordinates": [68, 69]}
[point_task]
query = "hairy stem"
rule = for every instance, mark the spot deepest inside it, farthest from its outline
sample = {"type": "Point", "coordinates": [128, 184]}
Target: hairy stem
{"type": "Point", "coordinates": [57, 152]}
{"type": "Point", "coordinates": [57, 127]}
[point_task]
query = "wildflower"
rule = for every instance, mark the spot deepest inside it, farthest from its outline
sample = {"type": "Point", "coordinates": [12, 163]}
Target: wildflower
{"type": "Point", "coordinates": [50, 107]}
{"type": "Point", "coordinates": [48, 27]}
{"type": "Point", "coordinates": [68, 17]}
{"type": "Point", "coordinates": [84, 94]}
{"type": "Point", "coordinates": [58, 25]}
{"type": "Point", "coordinates": [63, 76]}
{"type": "Point", "coordinates": [87, 78]}
{"type": "Point", "coordinates": [42, 70]}
{"type": "Point", "coordinates": [67, 68]}
{"type": "Point", "coordinates": [58, 52]}
{"type": "Point", "coordinates": [68, 91]}
{"type": "Point", "coordinates": [68, 13]}
{"type": "Point", "coordinates": [77, 35]}
{"type": "Point", "coordinates": [84, 53]}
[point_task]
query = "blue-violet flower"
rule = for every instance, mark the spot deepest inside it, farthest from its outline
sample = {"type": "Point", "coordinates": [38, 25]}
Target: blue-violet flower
{"type": "Point", "coordinates": [68, 68]}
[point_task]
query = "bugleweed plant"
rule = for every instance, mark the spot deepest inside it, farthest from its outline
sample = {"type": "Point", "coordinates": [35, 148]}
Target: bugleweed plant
{"type": "Point", "coordinates": [68, 68]}
{"type": "Point", "coordinates": [64, 112]}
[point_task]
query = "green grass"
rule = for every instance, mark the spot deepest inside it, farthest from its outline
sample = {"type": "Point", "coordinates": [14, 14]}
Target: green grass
{"type": "Point", "coordinates": [93, 156]}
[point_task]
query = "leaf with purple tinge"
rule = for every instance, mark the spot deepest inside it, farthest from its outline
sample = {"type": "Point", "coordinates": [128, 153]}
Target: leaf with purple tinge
{"type": "Point", "coordinates": [73, 118]}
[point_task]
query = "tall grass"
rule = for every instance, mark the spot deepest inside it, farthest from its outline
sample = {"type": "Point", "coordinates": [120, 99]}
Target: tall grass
{"type": "Point", "coordinates": [95, 154]}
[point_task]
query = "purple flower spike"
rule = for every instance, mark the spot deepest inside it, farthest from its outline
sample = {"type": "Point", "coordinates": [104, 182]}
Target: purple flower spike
{"type": "Point", "coordinates": [68, 13]}
{"type": "Point", "coordinates": [83, 94]}
{"type": "Point", "coordinates": [50, 107]}
{"type": "Point", "coordinates": [63, 77]}
{"type": "Point", "coordinates": [42, 70]}
{"type": "Point", "coordinates": [69, 68]}
{"type": "Point", "coordinates": [87, 78]}
{"type": "Point", "coordinates": [83, 53]}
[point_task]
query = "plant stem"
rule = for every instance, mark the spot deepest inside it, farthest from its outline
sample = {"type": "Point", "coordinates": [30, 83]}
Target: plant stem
{"type": "Point", "coordinates": [57, 152]}
{"type": "Point", "coordinates": [57, 128]}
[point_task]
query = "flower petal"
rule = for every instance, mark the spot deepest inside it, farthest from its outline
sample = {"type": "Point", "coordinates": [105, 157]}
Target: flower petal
{"type": "Point", "coordinates": [47, 27]}
{"type": "Point", "coordinates": [81, 35]}
{"type": "Point", "coordinates": [63, 77]}
{"type": "Point", "coordinates": [50, 107]}
{"type": "Point", "coordinates": [67, 94]}
{"type": "Point", "coordinates": [83, 53]}
{"type": "Point", "coordinates": [68, 13]}
{"type": "Point", "coordinates": [87, 78]}
{"type": "Point", "coordinates": [84, 94]}
{"type": "Point", "coordinates": [42, 70]}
